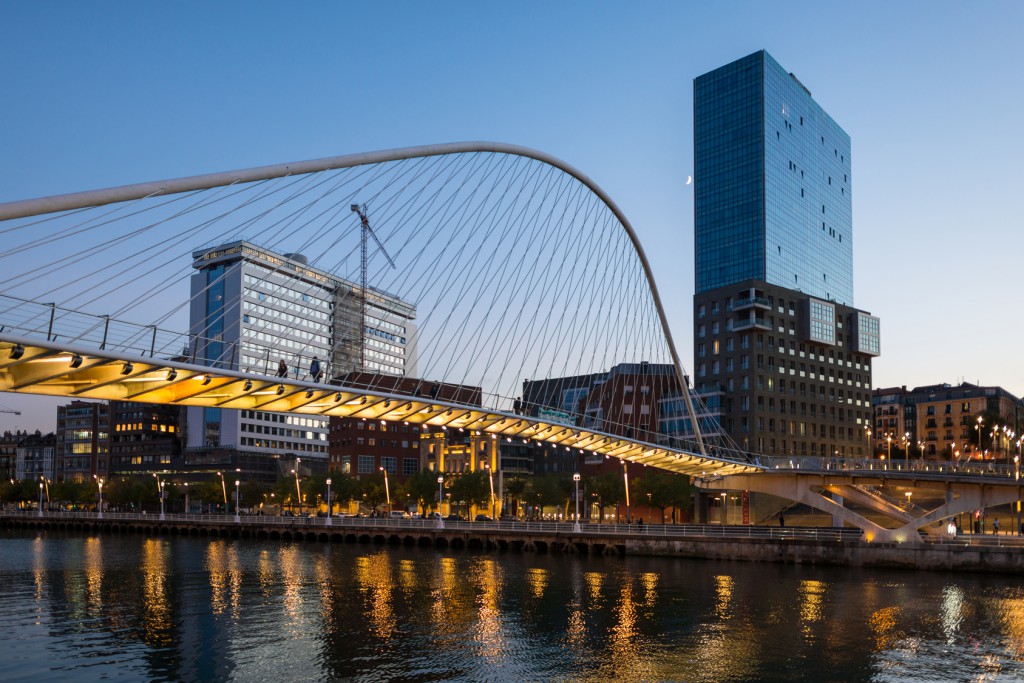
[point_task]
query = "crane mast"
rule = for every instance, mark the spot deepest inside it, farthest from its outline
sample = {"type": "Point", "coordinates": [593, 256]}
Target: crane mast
{"type": "Point", "coordinates": [364, 224]}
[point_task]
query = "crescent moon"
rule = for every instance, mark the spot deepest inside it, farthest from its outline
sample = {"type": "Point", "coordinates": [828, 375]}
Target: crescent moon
{"type": "Point", "coordinates": [689, 179]}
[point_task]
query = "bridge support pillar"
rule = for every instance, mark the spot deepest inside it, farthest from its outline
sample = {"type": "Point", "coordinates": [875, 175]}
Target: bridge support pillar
{"type": "Point", "coordinates": [700, 507]}
{"type": "Point", "coordinates": [836, 519]}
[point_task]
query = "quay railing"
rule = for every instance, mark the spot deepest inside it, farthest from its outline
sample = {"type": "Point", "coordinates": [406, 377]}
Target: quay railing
{"type": "Point", "coordinates": [526, 527]}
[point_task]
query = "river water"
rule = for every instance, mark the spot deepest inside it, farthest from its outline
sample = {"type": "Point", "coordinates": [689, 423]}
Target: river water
{"type": "Point", "coordinates": [84, 608]}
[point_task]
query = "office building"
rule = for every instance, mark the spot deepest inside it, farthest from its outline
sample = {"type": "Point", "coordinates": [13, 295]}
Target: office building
{"type": "Point", "coordinates": [83, 441]}
{"type": "Point", "coordinates": [144, 437]}
{"type": "Point", "coordinates": [256, 311]}
{"type": "Point", "coordinates": [777, 340]}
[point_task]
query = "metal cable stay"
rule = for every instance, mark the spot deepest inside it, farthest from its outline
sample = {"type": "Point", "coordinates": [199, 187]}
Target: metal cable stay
{"type": "Point", "coordinates": [135, 341]}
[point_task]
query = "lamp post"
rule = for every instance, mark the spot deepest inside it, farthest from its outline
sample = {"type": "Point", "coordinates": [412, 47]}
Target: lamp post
{"type": "Point", "coordinates": [328, 501]}
{"type": "Point", "coordinates": [576, 480]}
{"type": "Point", "coordinates": [725, 508]}
{"type": "Point", "coordinates": [40, 499]}
{"type": "Point", "coordinates": [980, 424]}
{"type": "Point", "coordinates": [888, 437]}
{"type": "Point", "coordinates": [387, 489]}
{"type": "Point", "coordinates": [1016, 476]}
{"type": "Point", "coordinates": [908, 494]}
{"type": "Point", "coordinates": [625, 480]}
{"type": "Point", "coordinates": [906, 449]}
{"type": "Point", "coordinates": [187, 506]}
{"type": "Point", "coordinates": [238, 514]}
{"type": "Point", "coordinates": [867, 436]}
{"type": "Point", "coordinates": [298, 493]}
{"type": "Point", "coordinates": [920, 447]}
{"type": "Point", "coordinates": [224, 490]}
{"type": "Point", "coordinates": [491, 479]}
{"type": "Point", "coordinates": [440, 497]}
{"type": "Point", "coordinates": [160, 491]}
{"type": "Point", "coordinates": [99, 484]}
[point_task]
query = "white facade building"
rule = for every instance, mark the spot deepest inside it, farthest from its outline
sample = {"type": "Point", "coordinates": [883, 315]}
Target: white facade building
{"type": "Point", "coordinates": [253, 309]}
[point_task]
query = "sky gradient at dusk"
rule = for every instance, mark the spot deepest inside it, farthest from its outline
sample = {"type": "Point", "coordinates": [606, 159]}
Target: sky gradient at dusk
{"type": "Point", "coordinates": [930, 93]}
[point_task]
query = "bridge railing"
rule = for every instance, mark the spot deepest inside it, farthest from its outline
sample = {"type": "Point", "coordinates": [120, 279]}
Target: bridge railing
{"type": "Point", "coordinates": [52, 323]}
{"type": "Point", "coordinates": [809, 464]}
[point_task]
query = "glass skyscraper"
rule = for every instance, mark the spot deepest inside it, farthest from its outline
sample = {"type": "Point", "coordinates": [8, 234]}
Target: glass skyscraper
{"type": "Point", "coordinates": [772, 175]}
{"type": "Point", "coordinates": [778, 346]}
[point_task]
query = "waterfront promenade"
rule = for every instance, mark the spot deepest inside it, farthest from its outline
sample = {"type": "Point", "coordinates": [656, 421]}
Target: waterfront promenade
{"type": "Point", "coordinates": [786, 545]}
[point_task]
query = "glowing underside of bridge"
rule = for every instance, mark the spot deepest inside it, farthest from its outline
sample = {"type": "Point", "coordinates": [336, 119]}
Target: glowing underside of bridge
{"type": "Point", "coordinates": [45, 368]}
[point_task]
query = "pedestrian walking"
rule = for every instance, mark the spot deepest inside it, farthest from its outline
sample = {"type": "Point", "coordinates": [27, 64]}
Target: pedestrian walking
{"type": "Point", "coordinates": [315, 371]}
{"type": "Point", "coordinates": [782, 521]}
{"type": "Point", "coordinates": [282, 368]}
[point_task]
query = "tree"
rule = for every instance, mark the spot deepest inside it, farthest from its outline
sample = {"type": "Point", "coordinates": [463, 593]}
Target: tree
{"type": "Point", "coordinates": [209, 492]}
{"type": "Point", "coordinates": [422, 487]}
{"type": "Point", "coordinates": [372, 489]}
{"type": "Point", "coordinates": [132, 492]}
{"type": "Point", "coordinates": [515, 488]}
{"type": "Point", "coordinates": [344, 488]}
{"type": "Point", "coordinates": [666, 491]}
{"type": "Point", "coordinates": [551, 490]}
{"type": "Point", "coordinates": [608, 488]}
{"type": "Point", "coordinates": [471, 488]}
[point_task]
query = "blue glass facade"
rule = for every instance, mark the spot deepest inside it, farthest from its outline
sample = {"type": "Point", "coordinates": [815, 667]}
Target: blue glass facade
{"type": "Point", "coordinates": [772, 177]}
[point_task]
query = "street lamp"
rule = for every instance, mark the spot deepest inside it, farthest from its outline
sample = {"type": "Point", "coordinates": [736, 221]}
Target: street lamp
{"type": "Point", "coordinates": [387, 489]}
{"type": "Point", "coordinates": [867, 437]}
{"type": "Point", "coordinates": [920, 447]}
{"type": "Point", "coordinates": [298, 493]}
{"type": "Point", "coordinates": [906, 448]}
{"type": "Point", "coordinates": [980, 423]}
{"type": "Point", "coordinates": [908, 499]}
{"type": "Point", "coordinates": [224, 489]}
{"type": "Point", "coordinates": [576, 480]}
{"type": "Point", "coordinates": [187, 506]}
{"type": "Point", "coordinates": [329, 500]}
{"type": "Point", "coordinates": [888, 437]}
{"type": "Point", "coordinates": [238, 517]}
{"type": "Point", "coordinates": [99, 483]}
{"type": "Point", "coordinates": [725, 509]}
{"type": "Point", "coordinates": [440, 497]}
{"type": "Point", "coordinates": [160, 492]}
{"type": "Point", "coordinates": [625, 480]}
{"type": "Point", "coordinates": [490, 478]}
{"type": "Point", "coordinates": [40, 499]}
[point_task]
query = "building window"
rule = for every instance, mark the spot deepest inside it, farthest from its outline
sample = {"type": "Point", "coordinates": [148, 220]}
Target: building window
{"type": "Point", "coordinates": [390, 464]}
{"type": "Point", "coordinates": [410, 466]}
{"type": "Point", "coordinates": [365, 464]}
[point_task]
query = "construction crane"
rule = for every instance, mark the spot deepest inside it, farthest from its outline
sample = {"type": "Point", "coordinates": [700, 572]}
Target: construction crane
{"type": "Point", "coordinates": [5, 409]}
{"type": "Point", "coordinates": [366, 230]}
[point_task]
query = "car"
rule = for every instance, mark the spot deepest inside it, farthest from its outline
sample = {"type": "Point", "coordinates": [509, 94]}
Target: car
{"type": "Point", "coordinates": [398, 514]}
{"type": "Point", "coordinates": [455, 518]}
{"type": "Point", "coordinates": [483, 518]}
{"type": "Point", "coordinates": [434, 515]}
{"type": "Point", "coordinates": [287, 513]}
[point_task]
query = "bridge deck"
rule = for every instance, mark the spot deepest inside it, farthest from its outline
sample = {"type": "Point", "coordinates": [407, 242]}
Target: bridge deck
{"type": "Point", "coordinates": [50, 368]}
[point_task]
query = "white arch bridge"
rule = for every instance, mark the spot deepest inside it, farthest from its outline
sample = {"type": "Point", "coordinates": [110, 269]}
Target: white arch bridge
{"type": "Point", "coordinates": [468, 265]}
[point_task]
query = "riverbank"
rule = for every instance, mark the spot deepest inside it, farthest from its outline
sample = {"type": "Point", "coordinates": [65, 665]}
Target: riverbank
{"type": "Point", "coordinates": [789, 545]}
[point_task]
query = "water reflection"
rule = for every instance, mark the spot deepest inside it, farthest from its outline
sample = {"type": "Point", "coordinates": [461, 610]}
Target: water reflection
{"type": "Point", "coordinates": [194, 609]}
{"type": "Point", "coordinates": [157, 621]}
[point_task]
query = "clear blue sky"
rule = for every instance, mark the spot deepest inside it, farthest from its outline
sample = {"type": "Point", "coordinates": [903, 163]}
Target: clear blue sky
{"type": "Point", "coordinates": [931, 93]}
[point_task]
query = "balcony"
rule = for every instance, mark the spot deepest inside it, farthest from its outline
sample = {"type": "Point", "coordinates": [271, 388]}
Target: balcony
{"type": "Point", "coordinates": [751, 302]}
{"type": "Point", "coordinates": [751, 323]}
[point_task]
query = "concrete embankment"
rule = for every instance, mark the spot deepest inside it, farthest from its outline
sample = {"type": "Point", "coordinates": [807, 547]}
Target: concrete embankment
{"type": "Point", "coordinates": [786, 547]}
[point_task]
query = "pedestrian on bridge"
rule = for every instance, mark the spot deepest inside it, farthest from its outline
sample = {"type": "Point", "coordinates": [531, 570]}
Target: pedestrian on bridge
{"type": "Point", "coordinates": [282, 368]}
{"type": "Point", "coordinates": [995, 526]}
{"type": "Point", "coordinates": [315, 371]}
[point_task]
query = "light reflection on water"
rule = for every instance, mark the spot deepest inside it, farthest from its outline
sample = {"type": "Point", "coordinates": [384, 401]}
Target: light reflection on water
{"type": "Point", "coordinates": [82, 608]}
